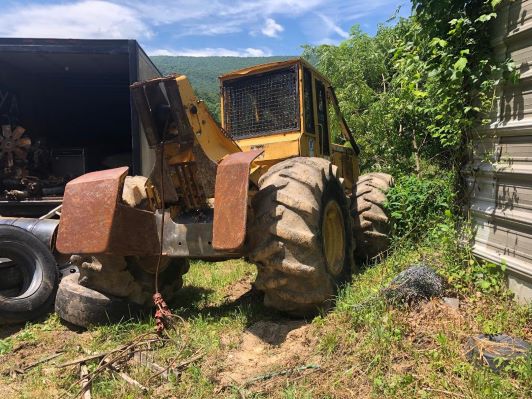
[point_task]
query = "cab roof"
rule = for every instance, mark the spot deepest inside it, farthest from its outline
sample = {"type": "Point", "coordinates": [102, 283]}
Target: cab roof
{"type": "Point", "coordinates": [271, 66]}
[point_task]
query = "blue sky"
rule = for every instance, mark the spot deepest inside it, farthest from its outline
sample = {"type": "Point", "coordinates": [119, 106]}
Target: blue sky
{"type": "Point", "coordinates": [199, 27]}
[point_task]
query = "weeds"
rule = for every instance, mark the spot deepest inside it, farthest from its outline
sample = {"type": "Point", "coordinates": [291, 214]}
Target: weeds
{"type": "Point", "coordinates": [6, 346]}
{"type": "Point", "coordinates": [364, 347]}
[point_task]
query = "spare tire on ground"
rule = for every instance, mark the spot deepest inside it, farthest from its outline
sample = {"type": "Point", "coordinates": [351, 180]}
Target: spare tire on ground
{"type": "Point", "coordinates": [31, 279]}
{"type": "Point", "coordinates": [85, 307]}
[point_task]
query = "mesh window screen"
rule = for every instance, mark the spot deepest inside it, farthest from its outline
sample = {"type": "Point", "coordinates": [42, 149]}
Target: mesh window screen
{"type": "Point", "coordinates": [263, 104]}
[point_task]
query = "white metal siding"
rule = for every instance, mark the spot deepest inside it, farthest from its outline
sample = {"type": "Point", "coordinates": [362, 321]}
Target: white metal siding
{"type": "Point", "coordinates": [500, 185]}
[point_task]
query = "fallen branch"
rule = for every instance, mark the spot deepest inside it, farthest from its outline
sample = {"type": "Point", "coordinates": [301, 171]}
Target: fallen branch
{"type": "Point", "coordinates": [103, 354]}
{"type": "Point", "coordinates": [116, 355]}
{"type": "Point", "coordinates": [128, 379]}
{"type": "Point", "coordinates": [32, 365]}
{"type": "Point", "coordinates": [177, 367]}
{"type": "Point", "coordinates": [85, 384]}
{"type": "Point", "coordinates": [191, 359]}
{"type": "Point", "coordinates": [85, 359]}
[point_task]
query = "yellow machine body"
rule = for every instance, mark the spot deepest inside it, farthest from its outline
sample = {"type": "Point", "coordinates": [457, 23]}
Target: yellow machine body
{"type": "Point", "coordinates": [270, 113]}
{"type": "Point", "coordinates": [312, 135]}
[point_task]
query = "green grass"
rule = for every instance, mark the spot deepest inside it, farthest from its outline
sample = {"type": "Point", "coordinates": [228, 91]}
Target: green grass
{"type": "Point", "coordinates": [365, 348]}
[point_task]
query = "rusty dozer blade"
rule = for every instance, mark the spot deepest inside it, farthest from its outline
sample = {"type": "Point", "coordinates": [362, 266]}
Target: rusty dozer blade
{"type": "Point", "coordinates": [94, 221]}
{"type": "Point", "coordinates": [231, 201]}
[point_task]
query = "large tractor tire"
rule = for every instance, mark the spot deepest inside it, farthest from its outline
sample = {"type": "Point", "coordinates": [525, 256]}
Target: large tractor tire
{"type": "Point", "coordinates": [371, 223]}
{"type": "Point", "coordinates": [301, 236]}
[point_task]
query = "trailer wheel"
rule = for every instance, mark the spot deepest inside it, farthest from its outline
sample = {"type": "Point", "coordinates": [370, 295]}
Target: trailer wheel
{"type": "Point", "coordinates": [85, 307]}
{"type": "Point", "coordinates": [34, 295]}
{"type": "Point", "coordinates": [301, 237]}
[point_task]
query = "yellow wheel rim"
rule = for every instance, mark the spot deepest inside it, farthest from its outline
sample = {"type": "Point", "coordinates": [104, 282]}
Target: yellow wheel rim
{"type": "Point", "coordinates": [333, 231]}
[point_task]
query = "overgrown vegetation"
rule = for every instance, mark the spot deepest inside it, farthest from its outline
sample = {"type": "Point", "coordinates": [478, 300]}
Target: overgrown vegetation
{"type": "Point", "coordinates": [363, 348]}
{"type": "Point", "coordinates": [414, 91]}
{"type": "Point", "coordinates": [412, 94]}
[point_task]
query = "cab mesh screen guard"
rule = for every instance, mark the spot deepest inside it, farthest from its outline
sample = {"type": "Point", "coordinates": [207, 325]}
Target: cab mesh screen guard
{"type": "Point", "coordinates": [262, 104]}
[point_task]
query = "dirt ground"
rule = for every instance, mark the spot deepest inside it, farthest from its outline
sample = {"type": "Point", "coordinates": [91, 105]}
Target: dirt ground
{"type": "Point", "coordinates": [262, 348]}
{"type": "Point", "coordinates": [247, 351]}
{"type": "Point", "coordinates": [267, 346]}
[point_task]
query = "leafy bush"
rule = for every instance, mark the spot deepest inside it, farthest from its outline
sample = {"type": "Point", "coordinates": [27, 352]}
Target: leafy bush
{"type": "Point", "coordinates": [418, 205]}
{"type": "Point", "coordinates": [415, 90]}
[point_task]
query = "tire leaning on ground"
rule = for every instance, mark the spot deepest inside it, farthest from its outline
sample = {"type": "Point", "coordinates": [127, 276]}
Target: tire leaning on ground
{"type": "Point", "coordinates": [85, 307]}
{"type": "Point", "coordinates": [301, 236]}
{"type": "Point", "coordinates": [35, 295]}
{"type": "Point", "coordinates": [371, 224]}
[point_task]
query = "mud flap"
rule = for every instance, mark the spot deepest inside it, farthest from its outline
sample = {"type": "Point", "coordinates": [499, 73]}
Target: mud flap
{"type": "Point", "coordinates": [94, 221]}
{"type": "Point", "coordinates": [231, 201]}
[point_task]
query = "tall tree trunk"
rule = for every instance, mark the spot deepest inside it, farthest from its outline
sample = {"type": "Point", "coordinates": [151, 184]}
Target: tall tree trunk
{"type": "Point", "coordinates": [416, 152]}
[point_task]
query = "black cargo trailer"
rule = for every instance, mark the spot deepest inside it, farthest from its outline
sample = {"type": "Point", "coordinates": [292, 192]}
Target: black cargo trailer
{"type": "Point", "coordinates": [68, 109]}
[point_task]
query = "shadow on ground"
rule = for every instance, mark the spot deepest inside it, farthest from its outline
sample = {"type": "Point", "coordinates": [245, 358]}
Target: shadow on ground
{"type": "Point", "coordinates": [7, 331]}
{"type": "Point", "coordinates": [192, 302]}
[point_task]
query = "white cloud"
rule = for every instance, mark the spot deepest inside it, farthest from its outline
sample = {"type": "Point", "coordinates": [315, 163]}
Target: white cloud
{"type": "Point", "coordinates": [211, 17]}
{"type": "Point", "coordinates": [171, 20]}
{"type": "Point", "coordinates": [161, 51]}
{"type": "Point", "coordinates": [332, 27]}
{"type": "Point", "coordinates": [210, 51]}
{"type": "Point", "coordinates": [82, 20]}
{"type": "Point", "coordinates": [271, 28]}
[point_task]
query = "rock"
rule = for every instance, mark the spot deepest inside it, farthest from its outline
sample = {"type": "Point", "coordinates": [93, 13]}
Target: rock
{"type": "Point", "coordinates": [453, 303]}
{"type": "Point", "coordinates": [413, 284]}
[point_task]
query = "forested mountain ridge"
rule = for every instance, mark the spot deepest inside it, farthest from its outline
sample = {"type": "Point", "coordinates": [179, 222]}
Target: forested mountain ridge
{"type": "Point", "coordinates": [203, 72]}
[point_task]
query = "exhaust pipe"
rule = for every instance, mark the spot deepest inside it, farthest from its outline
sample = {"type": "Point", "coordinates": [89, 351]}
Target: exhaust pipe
{"type": "Point", "coordinates": [44, 229]}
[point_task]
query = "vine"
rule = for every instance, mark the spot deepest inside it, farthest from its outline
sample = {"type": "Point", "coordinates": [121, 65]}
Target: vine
{"type": "Point", "coordinates": [414, 91]}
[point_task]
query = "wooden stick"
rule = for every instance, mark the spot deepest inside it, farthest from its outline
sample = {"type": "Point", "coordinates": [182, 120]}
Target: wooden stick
{"type": "Point", "coordinates": [84, 359]}
{"type": "Point", "coordinates": [101, 355]}
{"type": "Point", "coordinates": [46, 359]}
{"type": "Point", "coordinates": [34, 364]}
{"type": "Point", "coordinates": [85, 383]}
{"type": "Point", "coordinates": [128, 379]}
{"type": "Point", "coordinates": [177, 367]}
{"type": "Point", "coordinates": [52, 213]}
{"type": "Point", "coordinates": [121, 353]}
{"type": "Point", "coordinates": [191, 359]}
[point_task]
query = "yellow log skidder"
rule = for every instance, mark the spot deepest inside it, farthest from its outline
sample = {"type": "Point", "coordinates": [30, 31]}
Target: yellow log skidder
{"type": "Point", "coordinates": [269, 185]}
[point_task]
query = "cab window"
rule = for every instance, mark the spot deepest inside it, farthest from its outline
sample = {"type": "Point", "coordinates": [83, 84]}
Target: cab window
{"type": "Point", "coordinates": [308, 102]}
{"type": "Point", "coordinates": [323, 128]}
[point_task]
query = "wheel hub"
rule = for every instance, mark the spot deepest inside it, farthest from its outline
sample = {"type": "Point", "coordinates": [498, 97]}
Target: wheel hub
{"type": "Point", "coordinates": [333, 232]}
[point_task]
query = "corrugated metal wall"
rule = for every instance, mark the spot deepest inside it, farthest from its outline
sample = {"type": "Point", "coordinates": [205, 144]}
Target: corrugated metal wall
{"type": "Point", "coordinates": [501, 180]}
